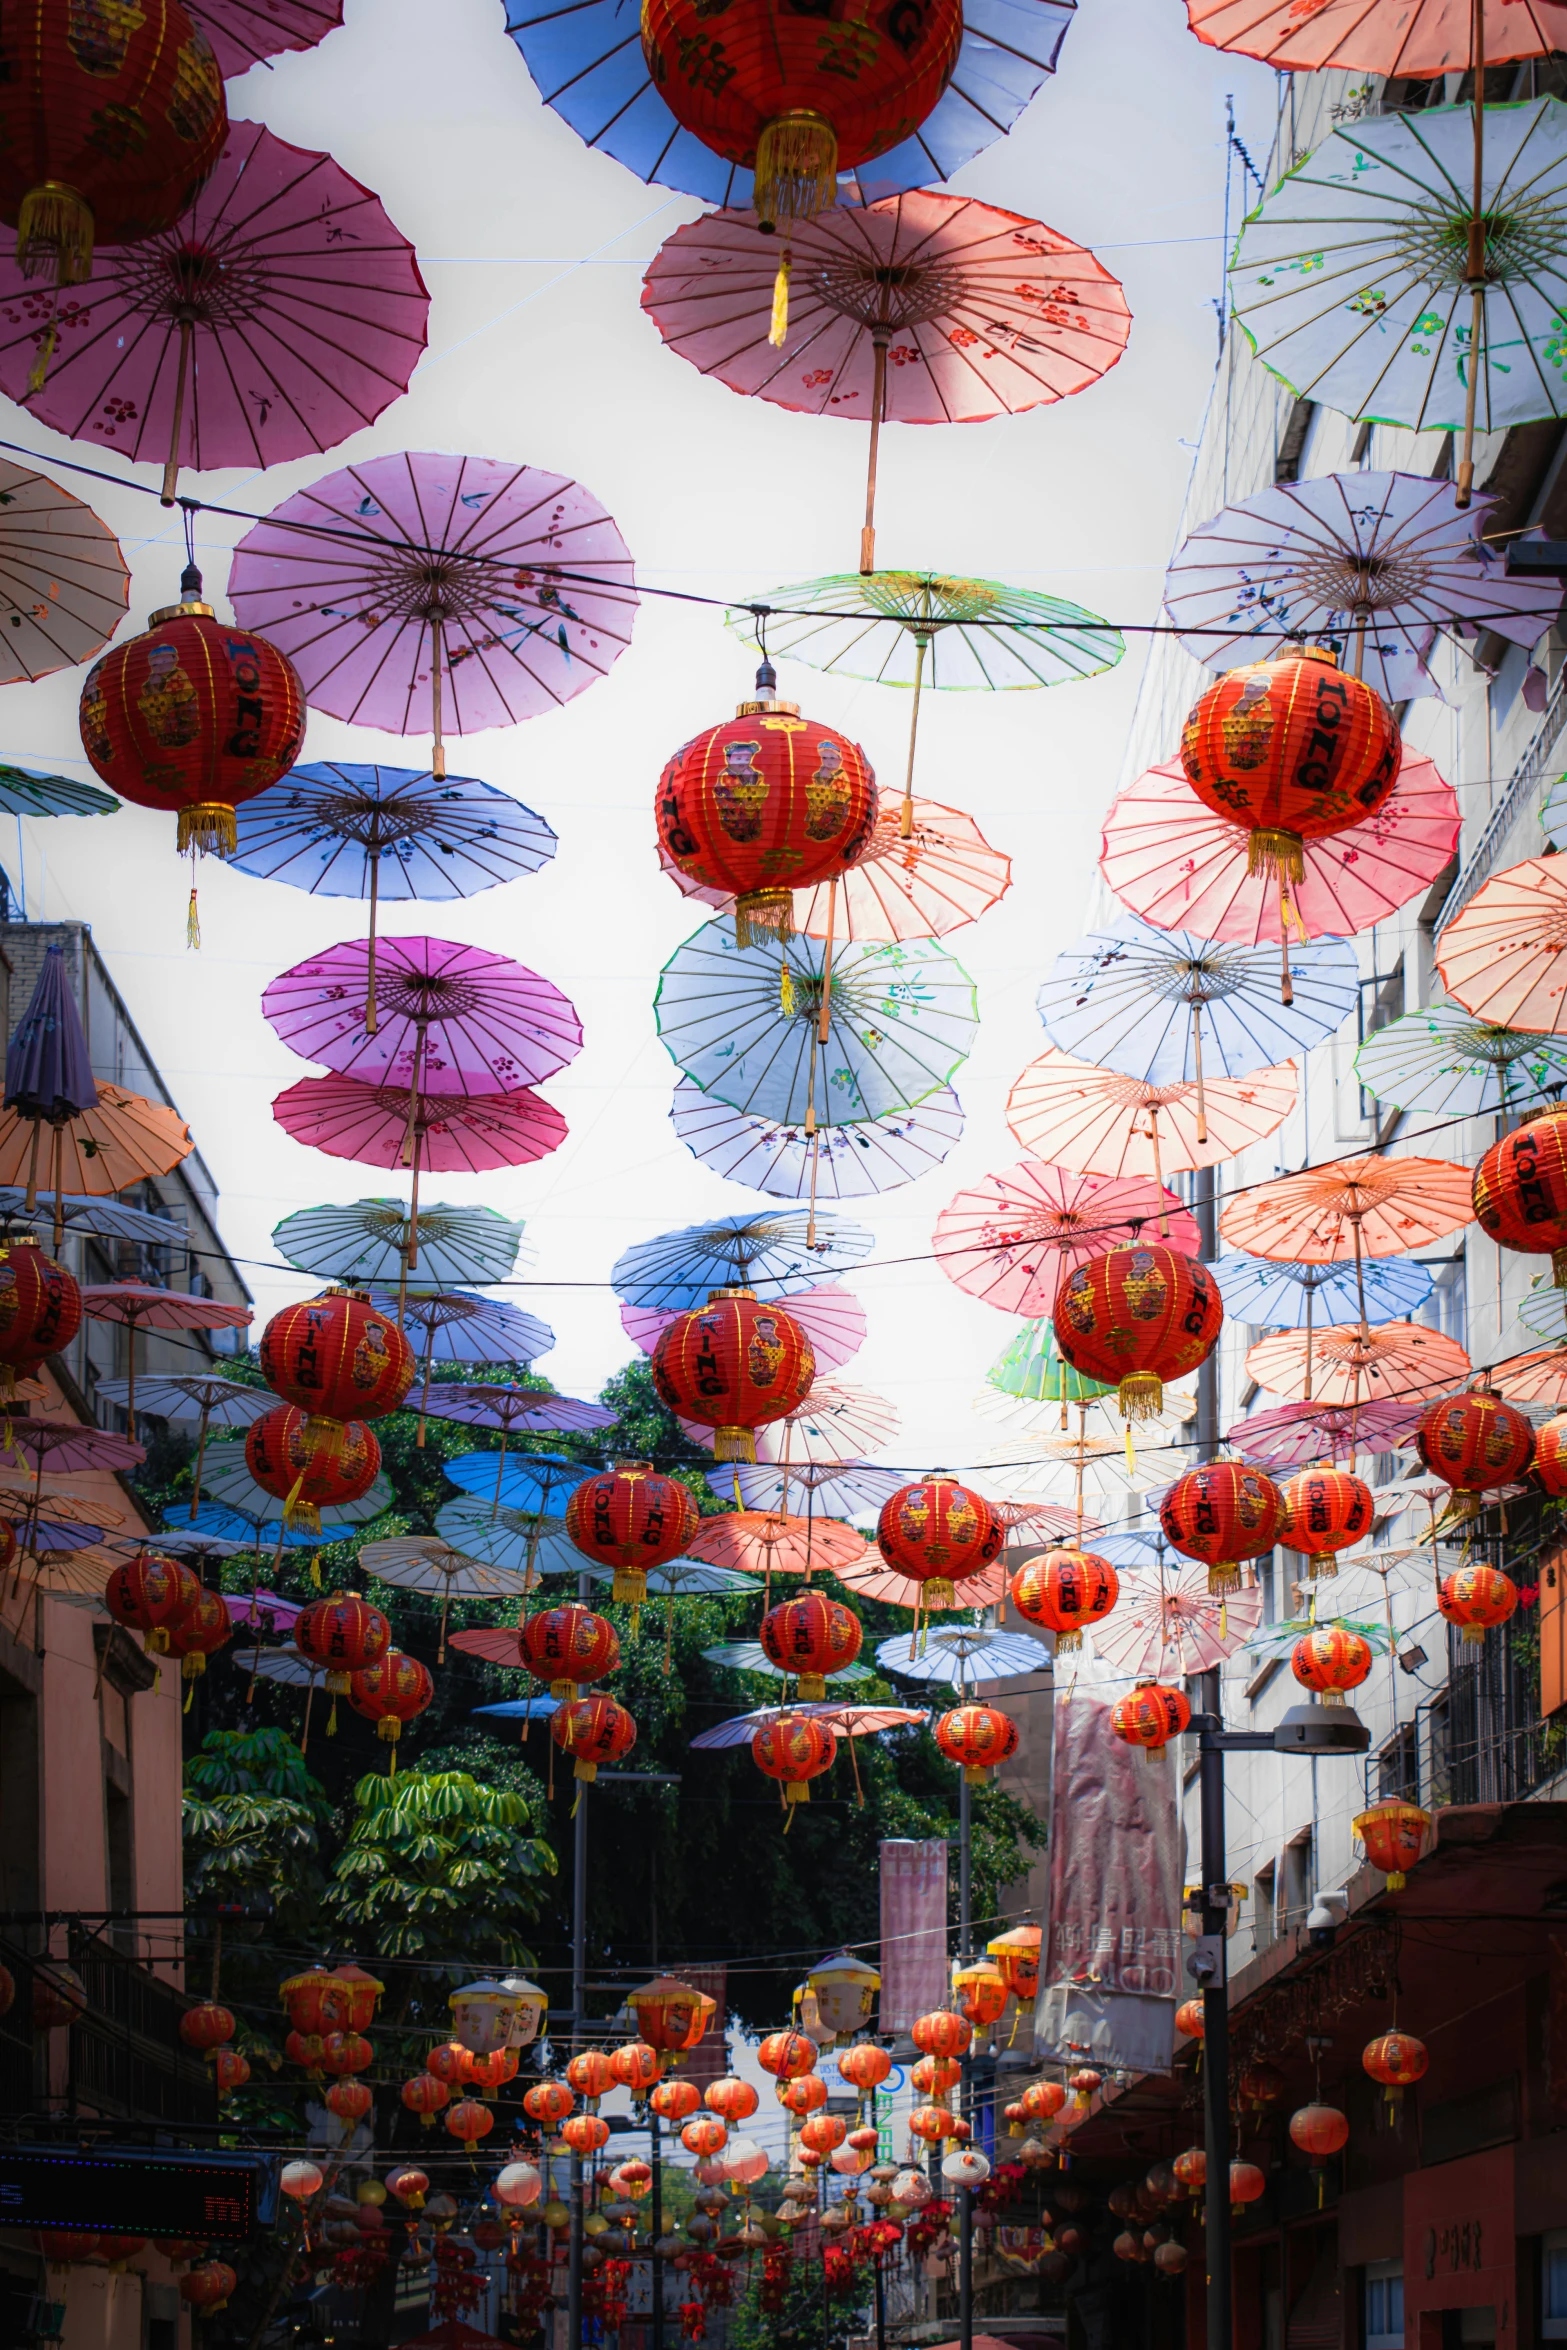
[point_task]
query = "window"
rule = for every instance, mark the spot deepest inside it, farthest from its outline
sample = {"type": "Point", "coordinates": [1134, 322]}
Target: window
{"type": "Point", "coordinates": [1267, 1584]}
{"type": "Point", "coordinates": [1447, 1308]}
{"type": "Point", "coordinates": [1262, 1910]}
{"type": "Point", "coordinates": [1385, 2305]}
{"type": "Point", "coordinates": [1553, 2286]}
{"type": "Point", "coordinates": [1398, 1767]}
{"type": "Point", "coordinates": [1380, 1002]}
{"type": "Point", "coordinates": [1295, 1892]}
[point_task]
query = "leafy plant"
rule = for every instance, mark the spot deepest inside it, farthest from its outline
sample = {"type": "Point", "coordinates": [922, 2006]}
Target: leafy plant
{"type": "Point", "coordinates": [437, 1867]}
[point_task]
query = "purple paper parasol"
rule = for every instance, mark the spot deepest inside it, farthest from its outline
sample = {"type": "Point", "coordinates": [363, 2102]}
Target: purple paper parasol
{"type": "Point", "coordinates": [1291, 1434]}
{"type": "Point", "coordinates": [281, 313]}
{"type": "Point", "coordinates": [832, 1318]}
{"type": "Point", "coordinates": [449, 1019]}
{"type": "Point", "coordinates": [478, 592]}
{"type": "Point", "coordinates": [242, 32]}
{"type": "Point", "coordinates": [514, 1409]}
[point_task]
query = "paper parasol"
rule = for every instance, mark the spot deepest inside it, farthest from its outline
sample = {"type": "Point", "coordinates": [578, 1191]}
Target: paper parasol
{"type": "Point", "coordinates": [923, 308]}
{"type": "Point", "coordinates": [365, 1242]}
{"type": "Point", "coordinates": [196, 1396]}
{"type": "Point", "coordinates": [122, 1141]}
{"type": "Point", "coordinates": [1502, 956]}
{"type": "Point", "coordinates": [423, 1562]}
{"type": "Point", "coordinates": [681, 1579]}
{"type": "Point", "coordinates": [279, 314]}
{"type": "Point", "coordinates": [538, 1481]}
{"type": "Point", "coordinates": [227, 1479]}
{"type": "Point", "coordinates": [255, 1611]}
{"type": "Point", "coordinates": [766, 1251]}
{"type": "Point", "coordinates": [31, 791]}
{"type": "Point", "coordinates": [962, 1655]}
{"type": "Point", "coordinates": [1091, 1458]}
{"type": "Point", "coordinates": [826, 1489]}
{"type": "Point", "coordinates": [1033, 1366]}
{"type": "Point", "coordinates": [108, 1218]}
{"type": "Point", "coordinates": [450, 1018]}
{"type": "Point", "coordinates": [201, 1550]}
{"type": "Point", "coordinates": [517, 1409]}
{"type": "Point", "coordinates": [749, 1656]}
{"type": "Point", "coordinates": [1379, 563]}
{"type": "Point", "coordinates": [833, 1319]}
{"type": "Point", "coordinates": [857, 1160]}
{"type": "Point", "coordinates": [1166, 1623]}
{"type": "Point", "coordinates": [1348, 1365]}
{"type": "Point", "coordinates": [900, 1019]}
{"type": "Point", "coordinates": [1443, 1062]}
{"type": "Point", "coordinates": [419, 585]}
{"type": "Point", "coordinates": [1013, 1238]}
{"type": "Point", "coordinates": [1542, 1311]}
{"type": "Point", "coordinates": [836, 1423]}
{"type": "Point", "coordinates": [388, 833]}
{"type": "Point", "coordinates": [1170, 1008]}
{"type": "Point", "coordinates": [592, 71]}
{"type": "Point", "coordinates": [65, 1448]}
{"type": "Point", "coordinates": [1277, 1640]}
{"type": "Point", "coordinates": [454, 1326]}
{"type": "Point", "coordinates": [1183, 868]}
{"type": "Point", "coordinates": [248, 1530]}
{"type": "Point", "coordinates": [1419, 38]}
{"type": "Point", "coordinates": [1273, 1296]}
{"type": "Point", "coordinates": [1538, 1377]}
{"type": "Point", "coordinates": [284, 1665]}
{"type": "Point", "coordinates": [1077, 1115]}
{"type": "Point", "coordinates": [242, 32]}
{"type": "Point", "coordinates": [139, 1305]}
{"type": "Point", "coordinates": [64, 586]}
{"type": "Point", "coordinates": [1351, 1207]}
{"type": "Point", "coordinates": [845, 1721]}
{"type": "Point", "coordinates": [519, 1540]}
{"type": "Point", "coordinates": [755, 1542]}
{"type": "Point", "coordinates": [875, 1580]}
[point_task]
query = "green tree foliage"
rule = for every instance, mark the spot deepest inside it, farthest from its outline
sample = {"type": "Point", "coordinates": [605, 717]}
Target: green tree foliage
{"type": "Point", "coordinates": [437, 1867]}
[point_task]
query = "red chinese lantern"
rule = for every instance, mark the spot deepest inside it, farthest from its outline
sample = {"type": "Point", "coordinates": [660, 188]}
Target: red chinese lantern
{"type": "Point", "coordinates": [191, 718]}
{"type": "Point", "coordinates": [1222, 1513]}
{"type": "Point", "coordinates": [147, 1593]}
{"type": "Point", "coordinates": [304, 2049]}
{"type": "Point", "coordinates": [813, 1636]}
{"type": "Point", "coordinates": [732, 1366]}
{"type": "Point", "coordinates": [632, 1519]}
{"type": "Point", "coordinates": [569, 1647]}
{"type": "Point", "coordinates": [349, 2100]}
{"type": "Point", "coordinates": [230, 2070]}
{"type": "Point", "coordinates": [1472, 1442]}
{"type": "Point", "coordinates": [1520, 1191]}
{"type": "Point", "coordinates": [345, 2052]}
{"type": "Point", "coordinates": [1319, 2130]}
{"type": "Point", "coordinates": [824, 2132]}
{"type": "Point", "coordinates": [635, 2066]}
{"type": "Point", "coordinates": [671, 2017]}
{"type": "Point", "coordinates": [1325, 1510]}
{"type": "Point", "coordinates": [1152, 1715]}
{"type": "Point", "coordinates": [409, 2186]}
{"type": "Point", "coordinates": [675, 2101]}
{"type": "Point", "coordinates": [1017, 1955]}
{"type": "Point", "coordinates": [864, 2066]}
{"type": "Point", "coordinates": [939, 1533]}
{"type": "Point", "coordinates": [1396, 2059]}
{"type": "Point", "coordinates": [1330, 1659]}
{"type": "Point", "coordinates": [739, 813]}
{"type": "Point", "coordinates": [1191, 2168]}
{"type": "Point", "coordinates": [548, 2102]}
{"type": "Point", "coordinates": [363, 1993]}
{"type": "Point", "coordinates": [585, 2133]}
{"type": "Point", "coordinates": [1138, 1316]}
{"type": "Point", "coordinates": [199, 1631]}
{"type": "Point", "coordinates": [344, 1635]}
{"type": "Point", "coordinates": [1042, 2100]}
{"type": "Point", "coordinates": [206, 2027]}
{"type": "Point", "coordinates": [593, 1730]}
{"type": "Point", "coordinates": [110, 121]}
{"type": "Point", "coordinates": [1247, 2185]}
{"type": "Point", "coordinates": [1170, 2259]}
{"type": "Point", "coordinates": [788, 2056]}
{"type": "Point", "coordinates": [285, 1461]}
{"type": "Point", "coordinates": [1189, 2019]}
{"type": "Point", "coordinates": [338, 1358]}
{"type": "Point", "coordinates": [590, 2074]}
{"type": "Point", "coordinates": [705, 2137]}
{"type": "Point", "coordinates": [493, 2071]}
{"type": "Point", "coordinates": [932, 2123]}
{"type": "Point", "coordinates": [794, 1749]}
{"type": "Point", "coordinates": [1477, 1599]}
{"type": "Point", "coordinates": [1292, 749]}
{"type": "Point", "coordinates": [1065, 1591]}
{"type": "Point", "coordinates": [734, 2101]}
{"type": "Point", "coordinates": [470, 2121]}
{"type": "Point", "coordinates": [799, 100]}
{"type": "Point", "coordinates": [806, 2095]}
{"type": "Point", "coordinates": [451, 2062]}
{"type": "Point", "coordinates": [389, 1693]}
{"type": "Point", "coordinates": [208, 2286]}
{"type": "Point", "coordinates": [980, 1993]}
{"type": "Point", "coordinates": [933, 2076]}
{"type": "Point", "coordinates": [979, 1737]}
{"type": "Point", "coordinates": [1550, 1454]}
{"type": "Point", "coordinates": [942, 2033]}
{"type": "Point", "coordinates": [316, 2000]}
{"type": "Point", "coordinates": [40, 1304]}
{"type": "Point", "coordinates": [1394, 1835]}
{"type": "Point", "coordinates": [1260, 2085]}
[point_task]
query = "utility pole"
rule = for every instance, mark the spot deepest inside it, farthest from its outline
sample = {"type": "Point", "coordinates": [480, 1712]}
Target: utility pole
{"type": "Point", "coordinates": [579, 1986]}
{"type": "Point", "coordinates": [965, 2194]}
{"type": "Point", "coordinates": [1205, 1207]}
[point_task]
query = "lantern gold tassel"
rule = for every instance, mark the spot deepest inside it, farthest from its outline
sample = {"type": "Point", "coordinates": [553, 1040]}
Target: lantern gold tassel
{"type": "Point", "coordinates": [192, 920]}
{"type": "Point", "coordinates": [796, 168]}
{"type": "Point", "coordinates": [54, 234]}
{"type": "Point", "coordinates": [208, 828]}
{"type": "Point", "coordinates": [1275, 850]}
{"type": "Point", "coordinates": [778, 331]}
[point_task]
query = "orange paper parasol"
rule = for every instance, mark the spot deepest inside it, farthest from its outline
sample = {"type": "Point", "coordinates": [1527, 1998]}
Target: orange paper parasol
{"type": "Point", "coordinates": [1351, 1207]}
{"type": "Point", "coordinates": [1540, 1377]}
{"type": "Point", "coordinates": [1104, 1124]}
{"type": "Point", "coordinates": [1348, 1364]}
{"type": "Point", "coordinates": [759, 1542]}
{"type": "Point", "coordinates": [1505, 956]}
{"type": "Point", "coordinates": [99, 1151]}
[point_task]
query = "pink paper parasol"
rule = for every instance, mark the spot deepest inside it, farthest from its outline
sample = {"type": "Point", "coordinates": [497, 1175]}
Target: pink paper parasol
{"type": "Point", "coordinates": [1502, 956]}
{"type": "Point", "coordinates": [883, 1583]}
{"type": "Point", "coordinates": [243, 32]}
{"type": "Point", "coordinates": [1291, 1435]}
{"type": "Point", "coordinates": [1347, 1364]}
{"type": "Point", "coordinates": [767, 1543]}
{"type": "Point", "coordinates": [67, 1448]}
{"type": "Point", "coordinates": [845, 1721]}
{"type": "Point", "coordinates": [281, 313]}
{"type": "Point", "coordinates": [481, 592]}
{"type": "Point", "coordinates": [1012, 1238]}
{"type": "Point", "coordinates": [1167, 1624]}
{"type": "Point", "coordinates": [832, 1318]}
{"type": "Point", "coordinates": [1076, 1115]}
{"type": "Point", "coordinates": [137, 1305]}
{"type": "Point", "coordinates": [1182, 868]}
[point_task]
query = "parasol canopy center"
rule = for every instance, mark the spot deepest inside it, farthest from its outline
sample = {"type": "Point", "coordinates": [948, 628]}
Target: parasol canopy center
{"type": "Point", "coordinates": [1342, 579]}
{"type": "Point", "coordinates": [219, 283]}
{"type": "Point", "coordinates": [894, 294]}
{"type": "Point", "coordinates": [374, 824]}
{"type": "Point", "coordinates": [1435, 242]}
{"type": "Point", "coordinates": [929, 599]}
{"type": "Point", "coordinates": [436, 587]}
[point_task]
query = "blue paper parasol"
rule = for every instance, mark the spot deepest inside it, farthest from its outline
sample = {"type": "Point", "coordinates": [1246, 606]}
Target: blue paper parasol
{"type": "Point", "coordinates": [1444, 1063]}
{"type": "Point", "coordinates": [366, 1242]}
{"type": "Point", "coordinates": [1298, 1297]}
{"type": "Point", "coordinates": [821, 1489]}
{"type": "Point", "coordinates": [244, 1529]}
{"type": "Point", "coordinates": [344, 831]}
{"type": "Point", "coordinates": [762, 1251]}
{"type": "Point", "coordinates": [851, 1161]}
{"type": "Point", "coordinates": [963, 1655]}
{"type": "Point", "coordinates": [749, 1656]}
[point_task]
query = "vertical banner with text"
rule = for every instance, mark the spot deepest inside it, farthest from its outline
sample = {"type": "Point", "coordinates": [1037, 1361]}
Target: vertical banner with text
{"type": "Point", "coordinates": [913, 1929]}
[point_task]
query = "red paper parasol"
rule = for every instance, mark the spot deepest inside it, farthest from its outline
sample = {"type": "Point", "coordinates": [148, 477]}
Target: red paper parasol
{"type": "Point", "coordinates": [1293, 1435]}
{"type": "Point", "coordinates": [885, 1584]}
{"type": "Point", "coordinates": [414, 584]}
{"type": "Point", "coordinates": [1070, 1112]}
{"type": "Point", "coordinates": [278, 315]}
{"type": "Point", "coordinates": [921, 309]}
{"type": "Point", "coordinates": [1538, 1377]}
{"type": "Point", "coordinates": [1421, 39]}
{"type": "Point", "coordinates": [846, 1721]}
{"type": "Point", "coordinates": [763, 1542]}
{"type": "Point", "coordinates": [1012, 1238]}
{"type": "Point", "coordinates": [137, 1305]}
{"type": "Point", "coordinates": [1351, 1365]}
{"type": "Point", "coordinates": [1167, 1623]}
{"type": "Point", "coordinates": [832, 1318]}
{"type": "Point", "coordinates": [1505, 956]}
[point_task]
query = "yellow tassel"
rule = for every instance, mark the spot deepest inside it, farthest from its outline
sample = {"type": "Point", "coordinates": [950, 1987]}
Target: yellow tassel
{"type": "Point", "coordinates": [1131, 1454]}
{"type": "Point", "coordinates": [192, 921]}
{"type": "Point", "coordinates": [331, 1728]}
{"type": "Point", "coordinates": [40, 366]}
{"type": "Point", "coordinates": [315, 1569]}
{"type": "Point", "coordinates": [786, 999]}
{"type": "Point", "coordinates": [189, 1694]}
{"type": "Point", "coordinates": [777, 333]}
{"type": "Point", "coordinates": [54, 234]}
{"type": "Point", "coordinates": [796, 173]}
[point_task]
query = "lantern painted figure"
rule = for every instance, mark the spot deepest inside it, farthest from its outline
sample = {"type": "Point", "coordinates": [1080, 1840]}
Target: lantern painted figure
{"type": "Point", "coordinates": [146, 1593]}
{"type": "Point", "coordinates": [1065, 1592]}
{"type": "Point", "coordinates": [733, 1365]}
{"type": "Point", "coordinates": [568, 1647]}
{"type": "Point", "coordinates": [671, 2017]}
{"type": "Point", "coordinates": [812, 1636]}
{"type": "Point", "coordinates": [1394, 1834]}
{"type": "Point", "coordinates": [1325, 1511]}
{"type": "Point", "coordinates": [765, 804]}
{"type": "Point", "coordinates": [1329, 1660]}
{"type": "Point", "coordinates": [40, 1308]}
{"type": "Point", "coordinates": [788, 2056]}
{"type": "Point", "coordinates": [1396, 2059]}
{"type": "Point", "coordinates": [593, 1730]}
{"type": "Point", "coordinates": [631, 1519]}
{"type": "Point", "coordinates": [675, 2100]}
{"type": "Point", "coordinates": [392, 1691]}
{"type": "Point", "coordinates": [942, 2033]}
{"type": "Point", "coordinates": [1520, 1191]}
{"type": "Point", "coordinates": [1151, 1716]}
{"type": "Point", "coordinates": [1293, 749]}
{"type": "Point", "coordinates": [285, 1462]}
{"type": "Point", "coordinates": [548, 2103]}
{"type": "Point", "coordinates": [1222, 1513]}
{"type": "Point", "coordinates": [806, 2095]}
{"type": "Point", "coordinates": [1138, 1316]}
{"type": "Point", "coordinates": [1474, 1442]}
{"type": "Point", "coordinates": [979, 1737]}
{"type": "Point", "coordinates": [337, 1358]}
{"type": "Point", "coordinates": [794, 1749]}
{"type": "Point", "coordinates": [344, 1634]}
{"type": "Point", "coordinates": [1477, 1599]}
{"type": "Point", "coordinates": [797, 99]}
{"type": "Point", "coordinates": [938, 1533]}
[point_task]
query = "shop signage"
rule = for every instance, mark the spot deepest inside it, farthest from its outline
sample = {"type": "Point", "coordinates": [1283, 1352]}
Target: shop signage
{"type": "Point", "coordinates": [127, 2191]}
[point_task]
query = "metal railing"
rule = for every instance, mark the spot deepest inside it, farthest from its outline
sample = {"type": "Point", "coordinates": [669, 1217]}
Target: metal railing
{"type": "Point", "coordinates": [1526, 777]}
{"type": "Point", "coordinates": [126, 2058]}
{"type": "Point", "coordinates": [1482, 1738]}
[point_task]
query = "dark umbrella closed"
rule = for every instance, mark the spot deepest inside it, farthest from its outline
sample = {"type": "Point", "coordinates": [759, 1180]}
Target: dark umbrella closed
{"type": "Point", "coordinates": [48, 1071]}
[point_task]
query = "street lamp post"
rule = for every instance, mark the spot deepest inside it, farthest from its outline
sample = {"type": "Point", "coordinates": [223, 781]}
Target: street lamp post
{"type": "Point", "coordinates": [965, 2194]}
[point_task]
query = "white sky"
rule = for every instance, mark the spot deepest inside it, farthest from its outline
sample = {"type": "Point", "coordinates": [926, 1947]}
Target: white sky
{"type": "Point", "coordinates": [539, 352]}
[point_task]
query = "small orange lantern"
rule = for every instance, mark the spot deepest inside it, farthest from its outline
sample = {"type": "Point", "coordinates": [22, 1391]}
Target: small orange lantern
{"type": "Point", "coordinates": [1319, 2130]}
{"type": "Point", "coordinates": [675, 2101]}
{"type": "Point", "coordinates": [1478, 1599]}
{"type": "Point", "coordinates": [548, 2102]}
{"type": "Point", "coordinates": [1017, 1956]}
{"type": "Point", "coordinates": [813, 1636]}
{"type": "Point", "coordinates": [1475, 1441]}
{"type": "Point", "coordinates": [1043, 2100]}
{"type": "Point", "coordinates": [1064, 1591]}
{"type": "Point", "coordinates": [635, 2066]}
{"type": "Point", "coordinates": [425, 2095]}
{"type": "Point", "coordinates": [864, 2066]}
{"type": "Point", "coordinates": [1325, 1510]}
{"type": "Point", "coordinates": [1152, 1715]}
{"type": "Point", "coordinates": [733, 2100]}
{"type": "Point", "coordinates": [806, 2095]}
{"type": "Point", "coordinates": [206, 2027]}
{"type": "Point", "coordinates": [1330, 1659]}
{"type": "Point", "coordinates": [1394, 1835]}
{"type": "Point", "coordinates": [470, 2121]}
{"type": "Point", "coordinates": [585, 2133]}
{"type": "Point", "coordinates": [933, 2076]}
{"type": "Point", "coordinates": [1189, 2018]}
{"type": "Point", "coordinates": [981, 1993]}
{"type": "Point", "coordinates": [591, 2075]}
{"type": "Point", "coordinates": [980, 1737]}
{"type": "Point", "coordinates": [1222, 1513]}
{"type": "Point", "coordinates": [230, 2070]}
{"type": "Point", "coordinates": [1396, 2059]}
{"type": "Point", "coordinates": [1191, 2168]}
{"type": "Point", "coordinates": [1247, 2184]}
{"type": "Point", "coordinates": [787, 2055]}
{"type": "Point", "coordinates": [823, 2132]}
{"type": "Point", "coordinates": [705, 2136]}
{"type": "Point", "coordinates": [350, 2100]}
{"type": "Point", "coordinates": [942, 2033]}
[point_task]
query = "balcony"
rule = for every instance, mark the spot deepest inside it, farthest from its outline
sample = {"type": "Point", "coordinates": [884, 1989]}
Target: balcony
{"type": "Point", "coordinates": [126, 2059]}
